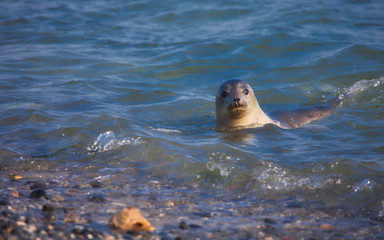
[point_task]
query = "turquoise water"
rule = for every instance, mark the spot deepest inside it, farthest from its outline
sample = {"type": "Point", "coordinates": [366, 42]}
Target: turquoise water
{"type": "Point", "coordinates": [123, 92]}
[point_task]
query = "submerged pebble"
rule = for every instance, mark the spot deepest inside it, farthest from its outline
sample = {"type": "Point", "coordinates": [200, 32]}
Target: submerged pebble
{"type": "Point", "coordinates": [86, 233]}
{"type": "Point", "coordinates": [38, 193]}
{"type": "Point", "coordinates": [96, 198]}
{"type": "Point", "coordinates": [193, 225]}
{"type": "Point", "coordinates": [50, 217]}
{"type": "Point", "coordinates": [35, 185]}
{"type": "Point", "coordinates": [183, 225]}
{"type": "Point", "coordinates": [75, 218]}
{"type": "Point", "coordinates": [57, 198]}
{"type": "Point", "coordinates": [4, 202]}
{"type": "Point", "coordinates": [95, 184]}
{"type": "Point", "coordinates": [48, 208]}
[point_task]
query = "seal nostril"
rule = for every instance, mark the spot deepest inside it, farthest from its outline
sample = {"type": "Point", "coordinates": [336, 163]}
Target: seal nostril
{"type": "Point", "coordinates": [236, 102]}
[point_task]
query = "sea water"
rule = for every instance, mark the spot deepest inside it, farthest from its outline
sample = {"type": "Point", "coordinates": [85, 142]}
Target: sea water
{"type": "Point", "coordinates": [123, 92]}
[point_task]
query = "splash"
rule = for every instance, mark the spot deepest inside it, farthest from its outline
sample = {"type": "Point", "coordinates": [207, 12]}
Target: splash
{"type": "Point", "coordinates": [108, 141]}
{"type": "Point", "coordinates": [271, 176]}
{"type": "Point", "coordinates": [278, 178]}
{"type": "Point", "coordinates": [363, 85]}
{"type": "Point", "coordinates": [366, 184]}
{"type": "Point", "coordinates": [221, 162]}
{"type": "Point", "coordinates": [381, 213]}
{"type": "Point", "coordinates": [358, 88]}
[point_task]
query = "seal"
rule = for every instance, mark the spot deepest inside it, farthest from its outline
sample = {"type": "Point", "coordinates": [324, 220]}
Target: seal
{"type": "Point", "coordinates": [237, 107]}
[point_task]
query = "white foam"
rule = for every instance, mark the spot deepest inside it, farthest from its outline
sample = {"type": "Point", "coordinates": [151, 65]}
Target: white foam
{"type": "Point", "coordinates": [165, 130]}
{"type": "Point", "coordinates": [108, 141]}
{"type": "Point", "coordinates": [359, 87]}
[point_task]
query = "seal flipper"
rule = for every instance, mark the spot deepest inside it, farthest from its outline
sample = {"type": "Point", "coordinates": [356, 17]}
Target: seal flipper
{"type": "Point", "coordinates": [301, 116]}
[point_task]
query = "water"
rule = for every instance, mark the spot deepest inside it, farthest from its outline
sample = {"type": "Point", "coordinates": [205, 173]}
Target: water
{"type": "Point", "coordinates": [123, 93]}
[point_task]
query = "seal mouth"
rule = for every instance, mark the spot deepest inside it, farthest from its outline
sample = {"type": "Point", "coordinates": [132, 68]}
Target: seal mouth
{"type": "Point", "coordinates": [237, 111]}
{"type": "Point", "coordinates": [236, 107]}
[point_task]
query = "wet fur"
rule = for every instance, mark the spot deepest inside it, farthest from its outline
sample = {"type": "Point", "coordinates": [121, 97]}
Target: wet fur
{"type": "Point", "coordinates": [301, 116]}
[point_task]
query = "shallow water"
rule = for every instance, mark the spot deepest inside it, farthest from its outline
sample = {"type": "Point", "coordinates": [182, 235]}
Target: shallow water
{"type": "Point", "coordinates": [123, 93]}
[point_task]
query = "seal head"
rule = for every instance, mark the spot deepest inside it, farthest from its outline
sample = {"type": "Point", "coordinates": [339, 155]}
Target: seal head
{"type": "Point", "coordinates": [237, 107]}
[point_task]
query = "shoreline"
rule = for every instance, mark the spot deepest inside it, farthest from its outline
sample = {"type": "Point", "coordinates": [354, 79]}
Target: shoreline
{"type": "Point", "coordinates": [37, 208]}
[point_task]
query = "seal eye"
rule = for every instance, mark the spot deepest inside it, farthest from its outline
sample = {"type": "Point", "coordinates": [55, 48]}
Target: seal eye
{"type": "Point", "coordinates": [224, 94]}
{"type": "Point", "coordinates": [246, 91]}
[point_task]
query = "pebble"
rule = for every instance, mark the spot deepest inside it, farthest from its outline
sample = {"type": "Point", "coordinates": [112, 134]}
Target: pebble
{"type": "Point", "coordinates": [130, 219]}
{"type": "Point", "coordinates": [14, 193]}
{"type": "Point", "coordinates": [326, 226]}
{"type": "Point", "coordinates": [15, 177]}
{"type": "Point", "coordinates": [35, 185]}
{"type": "Point", "coordinates": [109, 237]}
{"type": "Point", "coordinates": [32, 228]}
{"type": "Point", "coordinates": [4, 202]}
{"type": "Point", "coordinates": [50, 217]}
{"type": "Point", "coordinates": [21, 223]}
{"type": "Point", "coordinates": [286, 238]}
{"type": "Point", "coordinates": [58, 198]}
{"type": "Point", "coordinates": [269, 220]}
{"type": "Point", "coordinates": [95, 184]}
{"type": "Point", "coordinates": [30, 219]}
{"type": "Point", "coordinates": [96, 198]}
{"type": "Point", "coordinates": [170, 204]}
{"type": "Point", "coordinates": [74, 218]}
{"type": "Point", "coordinates": [81, 232]}
{"type": "Point", "coordinates": [48, 208]}
{"type": "Point", "coordinates": [192, 225]}
{"type": "Point", "coordinates": [38, 193]}
{"type": "Point", "coordinates": [183, 225]}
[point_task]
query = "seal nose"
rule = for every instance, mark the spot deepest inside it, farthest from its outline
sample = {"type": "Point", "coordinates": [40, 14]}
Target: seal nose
{"type": "Point", "coordinates": [236, 102]}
